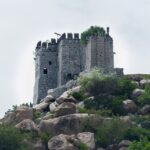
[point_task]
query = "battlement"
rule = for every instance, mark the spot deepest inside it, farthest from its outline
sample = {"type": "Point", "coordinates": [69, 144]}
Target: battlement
{"type": "Point", "coordinates": [69, 36]}
{"type": "Point", "coordinates": [47, 44]}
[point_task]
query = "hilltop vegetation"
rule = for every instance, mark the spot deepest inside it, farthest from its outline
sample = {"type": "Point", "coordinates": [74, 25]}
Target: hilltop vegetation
{"type": "Point", "coordinates": [93, 30]}
{"type": "Point", "coordinates": [101, 111]}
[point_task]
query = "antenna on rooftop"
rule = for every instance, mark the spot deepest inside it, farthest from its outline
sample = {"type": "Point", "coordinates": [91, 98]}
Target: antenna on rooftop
{"type": "Point", "coordinates": [58, 35]}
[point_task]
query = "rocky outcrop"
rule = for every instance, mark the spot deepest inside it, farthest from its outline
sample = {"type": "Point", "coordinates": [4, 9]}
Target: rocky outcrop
{"type": "Point", "coordinates": [42, 107]}
{"type": "Point", "coordinates": [48, 99]}
{"type": "Point", "coordinates": [145, 110]}
{"type": "Point", "coordinates": [88, 139]}
{"type": "Point", "coordinates": [144, 82]}
{"type": "Point", "coordinates": [123, 145]}
{"type": "Point", "coordinates": [38, 146]}
{"type": "Point", "coordinates": [72, 142]}
{"type": "Point", "coordinates": [69, 124]}
{"type": "Point", "coordinates": [129, 106]}
{"type": "Point", "coordinates": [18, 115]}
{"type": "Point", "coordinates": [60, 142]}
{"type": "Point", "coordinates": [65, 109]}
{"type": "Point", "coordinates": [136, 93]}
{"type": "Point", "coordinates": [9, 117]}
{"type": "Point", "coordinates": [27, 125]}
{"type": "Point", "coordinates": [57, 91]}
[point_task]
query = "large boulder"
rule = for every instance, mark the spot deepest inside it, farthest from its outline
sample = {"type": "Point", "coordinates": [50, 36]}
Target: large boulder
{"type": "Point", "coordinates": [38, 146]}
{"type": "Point", "coordinates": [136, 93]}
{"type": "Point", "coordinates": [9, 117]}
{"type": "Point", "coordinates": [65, 109]}
{"type": "Point", "coordinates": [145, 110]}
{"type": "Point", "coordinates": [61, 142]}
{"type": "Point", "coordinates": [136, 77]}
{"type": "Point", "coordinates": [21, 113]}
{"type": "Point", "coordinates": [42, 107]}
{"type": "Point", "coordinates": [124, 143]}
{"type": "Point", "coordinates": [88, 139]}
{"type": "Point", "coordinates": [27, 125]}
{"type": "Point", "coordinates": [81, 104]}
{"type": "Point", "coordinates": [48, 99]}
{"type": "Point", "coordinates": [63, 99]}
{"type": "Point", "coordinates": [123, 148]}
{"type": "Point", "coordinates": [129, 106]}
{"type": "Point", "coordinates": [71, 84]}
{"type": "Point", "coordinates": [144, 82]}
{"type": "Point", "coordinates": [76, 89]}
{"type": "Point", "coordinates": [53, 106]}
{"type": "Point", "coordinates": [69, 124]}
{"type": "Point", "coordinates": [64, 96]}
{"type": "Point", "coordinates": [57, 91]}
{"type": "Point", "coordinates": [112, 147]}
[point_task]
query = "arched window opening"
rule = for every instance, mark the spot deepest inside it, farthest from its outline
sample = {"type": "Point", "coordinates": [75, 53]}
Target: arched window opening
{"type": "Point", "coordinates": [50, 63]}
{"type": "Point", "coordinates": [69, 76]}
{"type": "Point", "coordinates": [45, 71]}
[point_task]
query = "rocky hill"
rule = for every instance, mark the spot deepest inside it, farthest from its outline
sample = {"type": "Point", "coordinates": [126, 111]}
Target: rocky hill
{"type": "Point", "coordinates": [97, 112]}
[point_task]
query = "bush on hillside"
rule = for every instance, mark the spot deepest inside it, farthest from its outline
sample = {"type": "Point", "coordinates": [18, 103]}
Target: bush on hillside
{"type": "Point", "coordinates": [11, 139]}
{"type": "Point", "coordinates": [108, 90]}
{"type": "Point", "coordinates": [145, 97]}
{"type": "Point", "coordinates": [143, 144]}
{"type": "Point", "coordinates": [95, 83]}
{"type": "Point", "coordinates": [135, 133]}
{"type": "Point", "coordinates": [106, 132]}
{"type": "Point", "coordinates": [100, 112]}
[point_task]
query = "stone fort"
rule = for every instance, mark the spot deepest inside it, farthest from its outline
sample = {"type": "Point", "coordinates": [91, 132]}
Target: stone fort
{"type": "Point", "coordinates": [61, 60]}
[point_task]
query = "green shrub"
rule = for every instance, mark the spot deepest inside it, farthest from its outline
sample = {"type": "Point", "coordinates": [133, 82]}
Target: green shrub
{"type": "Point", "coordinates": [143, 144]}
{"type": "Point", "coordinates": [109, 91]}
{"type": "Point", "coordinates": [36, 115]}
{"type": "Point", "coordinates": [45, 137]}
{"type": "Point", "coordinates": [80, 96]}
{"type": "Point", "coordinates": [111, 133]}
{"type": "Point", "coordinates": [83, 146]}
{"type": "Point", "coordinates": [135, 133]}
{"type": "Point", "coordinates": [146, 124]}
{"type": "Point", "coordinates": [11, 139]}
{"type": "Point", "coordinates": [96, 83]}
{"type": "Point", "coordinates": [100, 112]}
{"type": "Point", "coordinates": [140, 119]}
{"type": "Point", "coordinates": [125, 87]}
{"type": "Point", "coordinates": [106, 132]}
{"type": "Point", "coordinates": [93, 30]}
{"type": "Point", "coordinates": [82, 110]}
{"type": "Point", "coordinates": [27, 104]}
{"type": "Point", "coordinates": [145, 97]}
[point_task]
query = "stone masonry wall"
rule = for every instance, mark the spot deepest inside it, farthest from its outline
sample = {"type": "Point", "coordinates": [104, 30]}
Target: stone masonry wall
{"type": "Point", "coordinates": [46, 71]}
{"type": "Point", "coordinates": [69, 59]}
{"type": "Point", "coordinates": [99, 53]}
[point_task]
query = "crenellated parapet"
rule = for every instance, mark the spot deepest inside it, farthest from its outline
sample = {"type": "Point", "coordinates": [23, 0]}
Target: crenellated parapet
{"type": "Point", "coordinates": [69, 36]}
{"type": "Point", "coordinates": [47, 45]}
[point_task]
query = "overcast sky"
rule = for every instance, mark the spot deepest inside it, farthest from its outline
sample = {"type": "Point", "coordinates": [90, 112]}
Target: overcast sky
{"type": "Point", "coordinates": [24, 22]}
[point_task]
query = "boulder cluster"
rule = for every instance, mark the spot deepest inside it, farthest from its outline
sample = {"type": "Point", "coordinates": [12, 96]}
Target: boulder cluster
{"type": "Point", "coordinates": [58, 116]}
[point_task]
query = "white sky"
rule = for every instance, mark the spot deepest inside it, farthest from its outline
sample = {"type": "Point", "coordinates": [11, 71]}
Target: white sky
{"type": "Point", "coordinates": [24, 22]}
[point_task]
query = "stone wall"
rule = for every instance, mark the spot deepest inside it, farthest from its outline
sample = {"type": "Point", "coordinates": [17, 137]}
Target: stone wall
{"type": "Point", "coordinates": [99, 53]}
{"type": "Point", "coordinates": [69, 59]}
{"type": "Point", "coordinates": [46, 66]}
